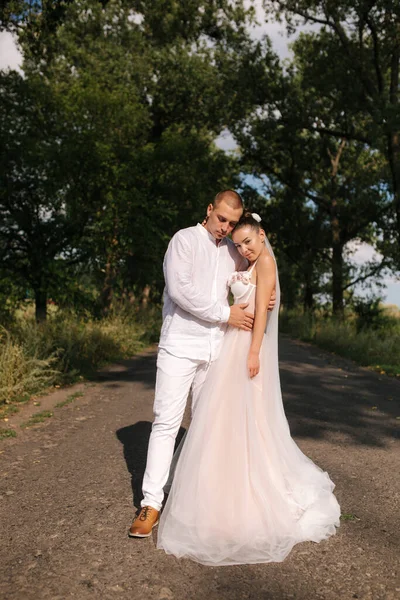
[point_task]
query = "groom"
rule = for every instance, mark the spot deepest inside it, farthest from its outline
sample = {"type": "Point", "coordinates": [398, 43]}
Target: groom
{"type": "Point", "coordinates": [196, 311]}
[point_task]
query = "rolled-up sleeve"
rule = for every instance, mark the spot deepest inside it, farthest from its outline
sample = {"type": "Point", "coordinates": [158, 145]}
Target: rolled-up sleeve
{"type": "Point", "coordinates": [178, 273]}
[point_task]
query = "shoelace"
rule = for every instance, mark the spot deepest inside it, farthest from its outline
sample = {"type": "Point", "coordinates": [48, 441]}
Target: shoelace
{"type": "Point", "coordinates": [145, 513]}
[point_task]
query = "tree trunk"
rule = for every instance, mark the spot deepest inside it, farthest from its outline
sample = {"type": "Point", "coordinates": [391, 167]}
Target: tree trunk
{"type": "Point", "coordinates": [40, 305]}
{"type": "Point", "coordinates": [107, 291]}
{"type": "Point", "coordinates": [337, 246]}
{"type": "Point", "coordinates": [145, 296]}
{"type": "Point", "coordinates": [394, 163]}
{"type": "Point", "coordinates": [308, 298]}
{"type": "Point", "coordinates": [394, 136]}
{"type": "Point", "coordinates": [337, 263]}
{"type": "Point", "coordinates": [337, 279]}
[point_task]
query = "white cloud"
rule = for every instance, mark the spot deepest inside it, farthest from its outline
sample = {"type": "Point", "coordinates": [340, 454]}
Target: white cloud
{"type": "Point", "coordinates": [10, 55]}
{"type": "Point", "coordinates": [225, 141]}
{"type": "Point", "coordinates": [362, 252]}
{"type": "Point", "coordinates": [276, 31]}
{"type": "Point", "coordinates": [277, 34]}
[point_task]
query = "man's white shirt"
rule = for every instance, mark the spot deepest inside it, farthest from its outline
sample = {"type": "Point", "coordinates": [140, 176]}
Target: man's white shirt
{"type": "Point", "coordinates": [196, 308]}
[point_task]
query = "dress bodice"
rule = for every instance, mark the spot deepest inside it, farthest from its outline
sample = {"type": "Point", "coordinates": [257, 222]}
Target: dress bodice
{"type": "Point", "coordinates": [241, 286]}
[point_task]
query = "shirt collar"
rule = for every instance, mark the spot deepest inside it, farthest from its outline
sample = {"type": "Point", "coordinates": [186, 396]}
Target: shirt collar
{"type": "Point", "coordinates": [203, 231]}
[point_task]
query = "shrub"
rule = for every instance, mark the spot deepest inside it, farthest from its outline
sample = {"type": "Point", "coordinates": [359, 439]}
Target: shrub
{"type": "Point", "coordinates": [371, 314]}
{"type": "Point", "coordinates": [34, 356]}
{"type": "Point", "coordinates": [377, 345]}
{"type": "Point", "coordinates": [20, 373]}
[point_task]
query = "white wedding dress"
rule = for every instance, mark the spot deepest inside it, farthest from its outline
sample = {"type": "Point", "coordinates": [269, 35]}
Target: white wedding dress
{"type": "Point", "coordinates": [243, 492]}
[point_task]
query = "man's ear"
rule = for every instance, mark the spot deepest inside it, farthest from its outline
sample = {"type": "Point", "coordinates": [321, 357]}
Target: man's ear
{"type": "Point", "coordinates": [209, 209]}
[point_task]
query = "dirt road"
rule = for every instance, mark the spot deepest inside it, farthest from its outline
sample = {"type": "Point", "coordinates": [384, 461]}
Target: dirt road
{"type": "Point", "coordinates": [66, 494]}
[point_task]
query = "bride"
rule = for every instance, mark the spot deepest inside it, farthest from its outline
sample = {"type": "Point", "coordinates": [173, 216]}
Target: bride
{"type": "Point", "coordinates": [243, 492]}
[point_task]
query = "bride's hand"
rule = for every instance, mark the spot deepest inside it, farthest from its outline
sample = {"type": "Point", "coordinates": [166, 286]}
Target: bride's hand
{"type": "Point", "coordinates": [253, 364]}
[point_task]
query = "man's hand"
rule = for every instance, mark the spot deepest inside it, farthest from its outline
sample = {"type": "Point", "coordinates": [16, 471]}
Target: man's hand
{"type": "Point", "coordinates": [240, 318]}
{"type": "Point", "coordinates": [272, 301]}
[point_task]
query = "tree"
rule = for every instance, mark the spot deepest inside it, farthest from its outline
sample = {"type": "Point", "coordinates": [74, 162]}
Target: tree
{"type": "Point", "coordinates": [356, 58]}
{"type": "Point", "coordinates": [335, 188]}
{"type": "Point", "coordinates": [138, 93]}
{"type": "Point", "coordinates": [40, 215]}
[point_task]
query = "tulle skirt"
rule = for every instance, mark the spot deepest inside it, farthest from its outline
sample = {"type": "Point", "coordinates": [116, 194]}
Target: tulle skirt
{"type": "Point", "coordinates": [243, 492]}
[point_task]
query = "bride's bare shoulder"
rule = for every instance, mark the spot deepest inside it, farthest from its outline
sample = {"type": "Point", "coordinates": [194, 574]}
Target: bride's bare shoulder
{"type": "Point", "coordinates": [265, 271]}
{"type": "Point", "coordinates": [265, 263]}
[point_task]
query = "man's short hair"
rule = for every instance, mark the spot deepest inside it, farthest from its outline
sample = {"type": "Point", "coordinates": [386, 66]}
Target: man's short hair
{"type": "Point", "coordinates": [230, 197]}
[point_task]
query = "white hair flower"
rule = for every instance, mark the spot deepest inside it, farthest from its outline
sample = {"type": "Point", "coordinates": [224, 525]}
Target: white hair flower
{"type": "Point", "coordinates": [256, 217]}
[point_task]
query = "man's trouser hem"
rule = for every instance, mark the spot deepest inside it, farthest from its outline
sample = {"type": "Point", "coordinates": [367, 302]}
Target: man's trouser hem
{"type": "Point", "coordinates": [151, 503]}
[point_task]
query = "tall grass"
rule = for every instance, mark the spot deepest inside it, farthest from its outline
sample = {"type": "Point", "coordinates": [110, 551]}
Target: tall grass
{"type": "Point", "coordinates": [20, 372]}
{"type": "Point", "coordinates": [33, 356]}
{"type": "Point", "coordinates": [376, 346]}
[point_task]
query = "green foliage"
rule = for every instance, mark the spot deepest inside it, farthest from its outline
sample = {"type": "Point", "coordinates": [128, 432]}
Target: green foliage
{"type": "Point", "coordinates": [39, 220]}
{"type": "Point", "coordinates": [349, 517]}
{"type": "Point", "coordinates": [319, 192]}
{"type": "Point", "coordinates": [354, 75]}
{"type": "Point", "coordinates": [69, 399]}
{"type": "Point", "coordinates": [81, 346]}
{"type": "Point", "coordinates": [372, 315]}
{"type": "Point", "coordinates": [107, 148]}
{"type": "Point", "coordinates": [7, 433]}
{"type": "Point", "coordinates": [22, 372]}
{"type": "Point", "coordinates": [372, 347]}
{"type": "Point", "coordinates": [108, 139]}
{"type": "Point", "coordinates": [33, 357]}
{"type": "Point", "coordinates": [39, 417]}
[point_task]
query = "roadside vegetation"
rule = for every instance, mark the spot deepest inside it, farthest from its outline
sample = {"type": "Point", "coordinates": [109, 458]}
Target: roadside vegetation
{"type": "Point", "coordinates": [67, 348]}
{"type": "Point", "coordinates": [369, 335]}
{"type": "Point", "coordinates": [70, 399]}
{"type": "Point", "coordinates": [37, 418]}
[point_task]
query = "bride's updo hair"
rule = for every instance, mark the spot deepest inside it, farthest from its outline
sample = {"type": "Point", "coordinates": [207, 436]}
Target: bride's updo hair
{"type": "Point", "coordinates": [247, 218]}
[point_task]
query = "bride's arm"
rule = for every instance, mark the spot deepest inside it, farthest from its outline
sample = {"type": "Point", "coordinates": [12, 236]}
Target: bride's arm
{"type": "Point", "coordinates": [266, 280]}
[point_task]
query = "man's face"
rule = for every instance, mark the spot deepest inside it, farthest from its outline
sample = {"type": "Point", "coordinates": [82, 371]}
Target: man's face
{"type": "Point", "coordinates": [222, 219]}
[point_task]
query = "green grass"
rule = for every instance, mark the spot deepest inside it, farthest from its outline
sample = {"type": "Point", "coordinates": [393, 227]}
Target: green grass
{"type": "Point", "coordinates": [67, 349]}
{"type": "Point", "coordinates": [37, 418]}
{"type": "Point", "coordinates": [387, 369]}
{"type": "Point", "coordinates": [7, 433]}
{"type": "Point", "coordinates": [22, 399]}
{"type": "Point", "coordinates": [375, 347]}
{"type": "Point", "coordinates": [8, 409]}
{"type": "Point", "coordinates": [69, 399]}
{"type": "Point", "coordinates": [349, 517]}
{"type": "Point", "coordinates": [22, 372]}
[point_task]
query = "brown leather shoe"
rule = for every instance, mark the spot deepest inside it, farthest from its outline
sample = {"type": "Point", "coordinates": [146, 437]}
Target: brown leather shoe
{"type": "Point", "coordinates": [144, 522]}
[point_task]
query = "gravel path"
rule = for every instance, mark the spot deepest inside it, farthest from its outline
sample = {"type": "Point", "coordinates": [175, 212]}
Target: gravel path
{"type": "Point", "coordinates": [66, 494]}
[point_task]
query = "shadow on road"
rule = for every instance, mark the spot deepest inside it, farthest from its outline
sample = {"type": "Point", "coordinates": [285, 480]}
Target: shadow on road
{"type": "Point", "coordinates": [322, 397]}
{"type": "Point", "coordinates": [322, 394]}
{"type": "Point", "coordinates": [135, 441]}
{"type": "Point", "coordinates": [140, 368]}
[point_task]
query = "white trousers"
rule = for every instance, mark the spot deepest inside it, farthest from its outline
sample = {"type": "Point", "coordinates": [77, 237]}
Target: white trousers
{"type": "Point", "coordinates": [175, 378]}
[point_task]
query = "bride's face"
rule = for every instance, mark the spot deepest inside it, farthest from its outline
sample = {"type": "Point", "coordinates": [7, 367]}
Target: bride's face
{"type": "Point", "coordinates": [249, 242]}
